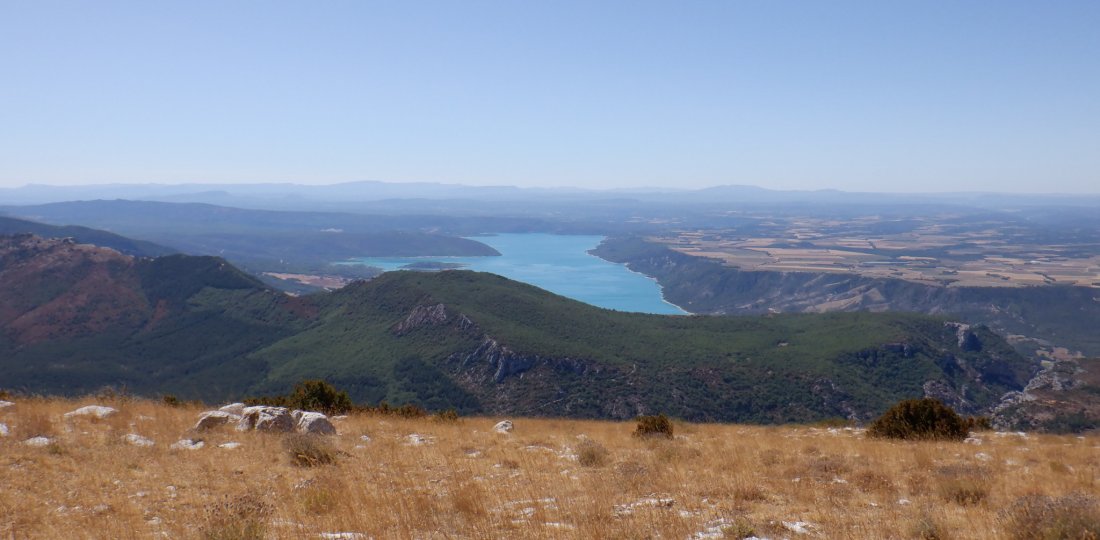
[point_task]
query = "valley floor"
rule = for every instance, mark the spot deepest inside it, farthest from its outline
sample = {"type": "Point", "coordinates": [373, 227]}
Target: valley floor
{"type": "Point", "coordinates": [421, 478]}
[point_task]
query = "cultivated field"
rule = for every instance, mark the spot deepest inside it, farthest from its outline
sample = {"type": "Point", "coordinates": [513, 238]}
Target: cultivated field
{"type": "Point", "coordinates": [981, 254]}
{"type": "Point", "coordinates": [422, 478]}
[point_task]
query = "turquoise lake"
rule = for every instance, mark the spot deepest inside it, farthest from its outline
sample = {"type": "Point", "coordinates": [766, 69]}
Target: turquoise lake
{"type": "Point", "coordinates": [558, 263]}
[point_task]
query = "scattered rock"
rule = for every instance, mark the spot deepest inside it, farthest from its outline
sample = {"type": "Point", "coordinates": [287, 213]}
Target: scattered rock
{"type": "Point", "coordinates": [904, 502]}
{"type": "Point", "coordinates": [236, 409]}
{"type": "Point", "coordinates": [212, 419]}
{"type": "Point", "coordinates": [4, 430]}
{"type": "Point", "coordinates": [654, 502]}
{"type": "Point", "coordinates": [187, 444]}
{"type": "Point", "coordinates": [137, 440]}
{"type": "Point", "coordinates": [715, 529]}
{"type": "Point", "coordinates": [344, 536]}
{"type": "Point", "coordinates": [364, 438]}
{"type": "Point", "coordinates": [229, 445]}
{"type": "Point", "coordinates": [797, 527]}
{"type": "Point", "coordinates": [97, 411]}
{"type": "Point", "coordinates": [982, 456]}
{"type": "Point", "coordinates": [504, 426]}
{"type": "Point", "coordinates": [558, 525]}
{"type": "Point", "coordinates": [313, 423]}
{"type": "Point", "coordinates": [973, 440]}
{"type": "Point", "coordinates": [38, 441]}
{"type": "Point", "coordinates": [417, 439]}
{"type": "Point", "coordinates": [5, 404]}
{"type": "Point", "coordinates": [264, 418]}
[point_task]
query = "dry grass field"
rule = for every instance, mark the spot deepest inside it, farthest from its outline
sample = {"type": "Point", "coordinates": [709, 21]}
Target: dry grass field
{"type": "Point", "coordinates": [422, 478]}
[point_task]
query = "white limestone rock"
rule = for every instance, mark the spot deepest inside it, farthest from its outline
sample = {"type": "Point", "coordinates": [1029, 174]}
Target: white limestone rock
{"type": "Point", "coordinates": [96, 411]}
{"type": "Point", "coordinates": [504, 426]}
{"type": "Point", "coordinates": [5, 404]}
{"type": "Point", "coordinates": [265, 418]}
{"type": "Point", "coordinates": [187, 444]}
{"type": "Point", "coordinates": [313, 423]}
{"type": "Point", "coordinates": [137, 440]}
{"type": "Point", "coordinates": [416, 439]}
{"type": "Point", "coordinates": [235, 409]}
{"type": "Point", "coordinates": [213, 419]}
{"type": "Point", "coordinates": [38, 441]}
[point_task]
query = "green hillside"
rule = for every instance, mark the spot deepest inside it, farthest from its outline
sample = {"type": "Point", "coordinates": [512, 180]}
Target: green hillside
{"type": "Point", "coordinates": [199, 328]}
{"type": "Point", "coordinates": [554, 355]}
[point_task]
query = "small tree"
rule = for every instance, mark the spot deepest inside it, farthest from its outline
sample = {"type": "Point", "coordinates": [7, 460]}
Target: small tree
{"type": "Point", "coordinates": [318, 395]}
{"type": "Point", "coordinates": [926, 419]}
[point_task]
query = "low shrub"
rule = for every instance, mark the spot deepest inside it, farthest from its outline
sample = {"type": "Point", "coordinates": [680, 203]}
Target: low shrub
{"type": "Point", "coordinates": [308, 450]}
{"type": "Point", "coordinates": [1038, 517]}
{"type": "Point", "coordinates": [236, 518]}
{"type": "Point", "coordinates": [920, 419]}
{"type": "Point", "coordinates": [592, 454]}
{"type": "Point", "coordinates": [654, 426]}
{"type": "Point", "coordinates": [926, 529]}
{"type": "Point", "coordinates": [738, 529]}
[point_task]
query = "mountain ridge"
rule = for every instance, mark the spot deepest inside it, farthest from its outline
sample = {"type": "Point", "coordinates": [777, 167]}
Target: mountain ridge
{"type": "Point", "coordinates": [199, 328]}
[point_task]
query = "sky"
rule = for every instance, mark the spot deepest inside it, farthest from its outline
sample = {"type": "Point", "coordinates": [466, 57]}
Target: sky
{"type": "Point", "coordinates": [896, 96]}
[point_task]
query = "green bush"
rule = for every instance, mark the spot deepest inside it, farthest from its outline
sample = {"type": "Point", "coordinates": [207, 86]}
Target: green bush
{"type": "Point", "coordinates": [920, 419]}
{"type": "Point", "coordinates": [654, 426]}
{"type": "Point", "coordinates": [311, 395]}
{"type": "Point", "coordinates": [318, 395]}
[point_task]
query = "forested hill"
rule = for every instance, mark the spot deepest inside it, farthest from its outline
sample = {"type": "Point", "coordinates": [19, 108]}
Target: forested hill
{"type": "Point", "coordinates": [196, 327]}
{"type": "Point", "coordinates": [84, 235]}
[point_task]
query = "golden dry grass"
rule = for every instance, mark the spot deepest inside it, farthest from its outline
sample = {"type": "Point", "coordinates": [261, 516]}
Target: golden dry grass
{"type": "Point", "coordinates": [466, 481]}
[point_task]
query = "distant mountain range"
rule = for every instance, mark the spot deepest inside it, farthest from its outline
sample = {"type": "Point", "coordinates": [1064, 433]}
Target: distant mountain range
{"type": "Point", "coordinates": [79, 317]}
{"type": "Point", "coordinates": [359, 195]}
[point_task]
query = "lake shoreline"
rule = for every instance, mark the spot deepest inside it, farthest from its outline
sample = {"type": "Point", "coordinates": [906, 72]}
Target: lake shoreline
{"type": "Point", "coordinates": [562, 264]}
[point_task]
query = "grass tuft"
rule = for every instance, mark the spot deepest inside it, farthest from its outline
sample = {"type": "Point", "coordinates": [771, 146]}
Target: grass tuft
{"type": "Point", "coordinates": [308, 450]}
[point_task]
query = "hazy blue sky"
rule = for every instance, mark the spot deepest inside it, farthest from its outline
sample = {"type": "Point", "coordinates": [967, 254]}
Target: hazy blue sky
{"type": "Point", "coordinates": [874, 96]}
